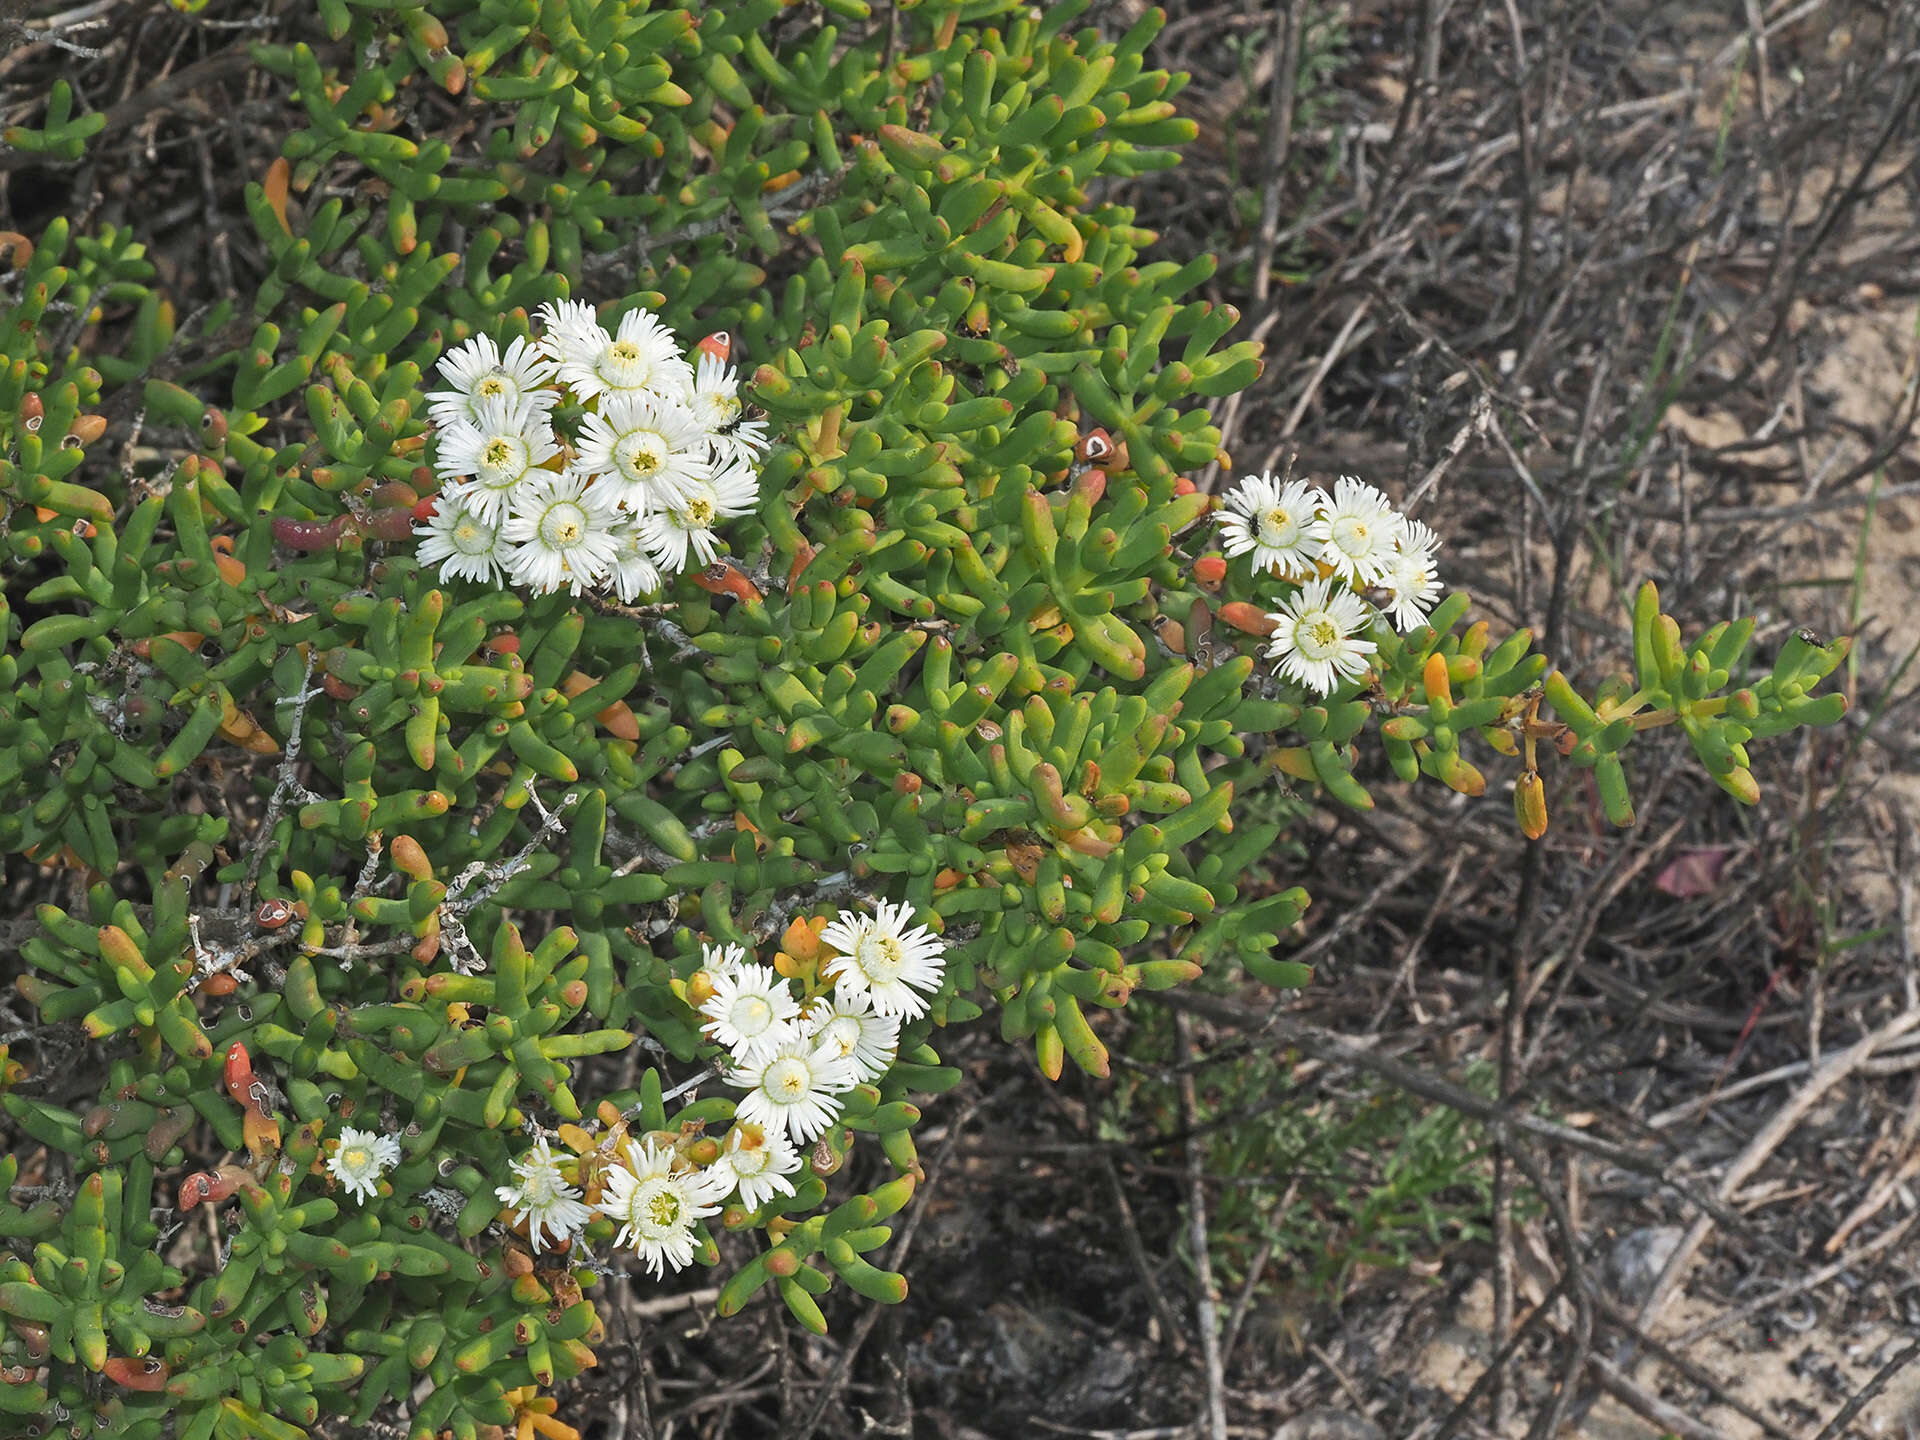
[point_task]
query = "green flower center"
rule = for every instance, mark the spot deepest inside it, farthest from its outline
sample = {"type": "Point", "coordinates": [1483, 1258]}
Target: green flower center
{"type": "Point", "coordinates": [657, 1207]}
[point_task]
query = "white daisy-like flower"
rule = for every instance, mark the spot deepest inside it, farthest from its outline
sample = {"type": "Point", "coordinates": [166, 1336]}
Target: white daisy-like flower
{"type": "Point", "coordinates": [361, 1158]}
{"type": "Point", "coordinates": [657, 1205]}
{"type": "Point", "coordinates": [479, 373]}
{"type": "Point", "coordinates": [685, 528]}
{"type": "Point", "coordinates": [848, 1023]}
{"type": "Point", "coordinates": [634, 575]}
{"type": "Point", "coordinates": [886, 959]}
{"type": "Point", "coordinates": [544, 1196]}
{"type": "Point", "coordinates": [1356, 531]}
{"type": "Point", "coordinates": [797, 1088]}
{"type": "Point", "coordinates": [716, 406]}
{"type": "Point", "coordinates": [649, 450]}
{"type": "Point", "coordinates": [751, 1011]}
{"type": "Point", "coordinates": [1411, 580]}
{"type": "Point", "coordinates": [715, 401]}
{"type": "Point", "coordinates": [561, 531]}
{"type": "Point", "coordinates": [1316, 639]}
{"type": "Point", "coordinates": [759, 1162]}
{"type": "Point", "coordinates": [641, 356]}
{"type": "Point", "coordinates": [495, 453]}
{"type": "Point", "coordinates": [464, 545]}
{"type": "Point", "coordinates": [718, 959]}
{"type": "Point", "coordinates": [1273, 522]}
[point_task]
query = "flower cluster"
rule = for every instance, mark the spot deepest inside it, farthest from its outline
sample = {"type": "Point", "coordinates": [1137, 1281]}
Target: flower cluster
{"type": "Point", "coordinates": [659, 458]}
{"type": "Point", "coordinates": [1356, 560]}
{"type": "Point", "coordinates": [794, 1057]}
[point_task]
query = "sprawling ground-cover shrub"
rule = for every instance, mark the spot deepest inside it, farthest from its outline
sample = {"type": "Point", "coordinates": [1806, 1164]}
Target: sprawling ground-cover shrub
{"type": "Point", "coordinates": [366, 862]}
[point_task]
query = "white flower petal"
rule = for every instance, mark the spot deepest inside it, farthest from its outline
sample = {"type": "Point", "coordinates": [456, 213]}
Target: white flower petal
{"type": "Point", "coordinates": [562, 533]}
{"type": "Point", "coordinates": [797, 1088]}
{"type": "Point", "coordinates": [1272, 523]}
{"type": "Point", "coordinates": [360, 1159]}
{"type": "Point", "coordinates": [898, 966]}
{"type": "Point", "coordinates": [1316, 639]}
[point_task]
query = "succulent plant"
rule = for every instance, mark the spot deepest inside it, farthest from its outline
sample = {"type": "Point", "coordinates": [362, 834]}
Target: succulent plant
{"type": "Point", "coordinates": [365, 850]}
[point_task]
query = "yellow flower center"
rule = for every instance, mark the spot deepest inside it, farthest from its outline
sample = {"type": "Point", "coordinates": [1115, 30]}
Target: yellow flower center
{"type": "Point", "coordinates": [700, 514]}
{"type": "Point", "coordinates": [1353, 536]}
{"type": "Point", "coordinates": [563, 526]}
{"type": "Point", "coordinates": [750, 1015]}
{"type": "Point", "coordinates": [880, 957]}
{"type": "Point", "coordinates": [788, 1079]}
{"type": "Point", "coordinates": [646, 453]}
{"type": "Point", "coordinates": [1276, 527]}
{"type": "Point", "coordinates": [356, 1157]}
{"type": "Point", "coordinates": [498, 451]}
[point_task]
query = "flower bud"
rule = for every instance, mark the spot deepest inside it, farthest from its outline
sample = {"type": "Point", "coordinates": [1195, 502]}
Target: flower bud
{"type": "Point", "coordinates": [1530, 804]}
{"type": "Point", "coordinates": [1248, 619]}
